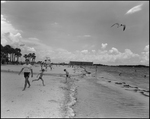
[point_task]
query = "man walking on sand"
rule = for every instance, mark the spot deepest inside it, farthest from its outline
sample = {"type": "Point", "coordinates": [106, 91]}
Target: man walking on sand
{"type": "Point", "coordinates": [27, 68]}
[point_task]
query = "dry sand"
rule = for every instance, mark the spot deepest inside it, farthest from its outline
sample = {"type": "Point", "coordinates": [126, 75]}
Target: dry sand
{"type": "Point", "coordinates": [83, 96]}
{"type": "Point", "coordinates": [36, 101]}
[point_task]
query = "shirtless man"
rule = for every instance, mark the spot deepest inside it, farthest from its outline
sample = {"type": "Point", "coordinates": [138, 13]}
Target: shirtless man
{"type": "Point", "coordinates": [27, 68]}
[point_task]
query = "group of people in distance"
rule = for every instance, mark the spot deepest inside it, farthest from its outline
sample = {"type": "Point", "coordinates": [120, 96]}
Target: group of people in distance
{"type": "Point", "coordinates": [27, 69]}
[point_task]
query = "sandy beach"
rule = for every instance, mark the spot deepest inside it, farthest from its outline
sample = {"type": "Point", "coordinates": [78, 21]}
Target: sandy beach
{"type": "Point", "coordinates": [36, 101]}
{"type": "Point", "coordinates": [99, 95]}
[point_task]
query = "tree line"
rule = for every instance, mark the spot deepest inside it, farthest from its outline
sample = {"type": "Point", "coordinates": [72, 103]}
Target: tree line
{"type": "Point", "coordinates": [12, 55]}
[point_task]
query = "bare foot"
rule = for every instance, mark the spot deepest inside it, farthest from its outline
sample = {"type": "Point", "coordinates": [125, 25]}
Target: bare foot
{"type": "Point", "coordinates": [23, 89]}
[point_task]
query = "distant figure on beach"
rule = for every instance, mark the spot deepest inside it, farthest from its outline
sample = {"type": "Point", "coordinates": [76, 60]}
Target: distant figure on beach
{"type": "Point", "coordinates": [27, 68]}
{"type": "Point", "coordinates": [43, 66]}
{"type": "Point", "coordinates": [67, 75]}
{"type": "Point", "coordinates": [40, 77]}
{"type": "Point", "coordinates": [48, 64]}
{"type": "Point", "coordinates": [120, 74]}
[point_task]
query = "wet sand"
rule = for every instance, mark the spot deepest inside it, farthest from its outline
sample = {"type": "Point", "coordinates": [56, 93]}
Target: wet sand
{"type": "Point", "coordinates": [102, 97]}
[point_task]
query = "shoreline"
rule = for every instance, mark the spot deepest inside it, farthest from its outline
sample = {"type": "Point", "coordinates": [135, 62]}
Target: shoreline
{"type": "Point", "coordinates": [71, 99]}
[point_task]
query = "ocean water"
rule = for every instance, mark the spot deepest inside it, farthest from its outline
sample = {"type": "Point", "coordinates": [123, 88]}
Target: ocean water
{"type": "Point", "coordinates": [133, 76]}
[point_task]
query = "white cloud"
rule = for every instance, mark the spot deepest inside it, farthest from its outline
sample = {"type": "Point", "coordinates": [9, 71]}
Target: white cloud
{"type": "Point", "coordinates": [6, 26]}
{"type": "Point", "coordinates": [31, 49]}
{"type": "Point", "coordinates": [145, 55]}
{"type": "Point", "coordinates": [104, 45]}
{"type": "Point", "coordinates": [134, 9]}
{"type": "Point", "coordinates": [114, 50]}
{"type": "Point", "coordinates": [84, 51]}
{"type": "Point", "coordinates": [146, 48]}
{"type": "Point", "coordinates": [3, 1]}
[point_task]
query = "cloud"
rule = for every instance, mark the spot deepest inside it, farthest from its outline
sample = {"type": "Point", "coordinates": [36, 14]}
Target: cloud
{"type": "Point", "coordinates": [31, 49]}
{"type": "Point", "coordinates": [145, 55]}
{"type": "Point", "coordinates": [6, 26]}
{"type": "Point", "coordinates": [104, 45]}
{"type": "Point", "coordinates": [134, 9]}
{"type": "Point", "coordinates": [146, 48]}
{"type": "Point", "coordinates": [3, 1]}
{"type": "Point", "coordinates": [11, 39]}
{"type": "Point", "coordinates": [84, 51]}
{"type": "Point", "coordinates": [114, 50]}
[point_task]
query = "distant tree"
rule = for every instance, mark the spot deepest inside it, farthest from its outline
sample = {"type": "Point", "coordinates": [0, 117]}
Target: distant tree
{"type": "Point", "coordinates": [18, 53]}
{"type": "Point", "coordinates": [25, 56]}
{"type": "Point", "coordinates": [8, 50]}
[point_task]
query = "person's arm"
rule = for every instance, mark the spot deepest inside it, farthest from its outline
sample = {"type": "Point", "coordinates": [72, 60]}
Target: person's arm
{"type": "Point", "coordinates": [20, 71]}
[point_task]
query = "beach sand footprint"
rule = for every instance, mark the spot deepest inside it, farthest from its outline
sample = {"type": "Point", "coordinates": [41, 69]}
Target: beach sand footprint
{"type": "Point", "coordinates": [53, 101]}
{"type": "Point", "coordinates": [64, 88]}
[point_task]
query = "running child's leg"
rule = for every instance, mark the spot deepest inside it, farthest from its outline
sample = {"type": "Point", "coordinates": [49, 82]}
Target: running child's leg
{"type": "Point", "coordinates": [35, 80]}
{"type": "Point", "coordinates": [42, 81]}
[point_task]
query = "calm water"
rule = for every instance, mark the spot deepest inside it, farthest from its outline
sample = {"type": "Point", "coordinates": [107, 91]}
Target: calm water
{"type": "Point", "coordinates": [134, 76]}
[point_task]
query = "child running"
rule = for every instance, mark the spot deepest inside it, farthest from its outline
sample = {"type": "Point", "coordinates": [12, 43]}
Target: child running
{"type": "Point", "coordinates": [27, 68]}
{"type": "Point", "coordinates": [67, 75]}
{"type": "Point", "coordinates": [40, 77]}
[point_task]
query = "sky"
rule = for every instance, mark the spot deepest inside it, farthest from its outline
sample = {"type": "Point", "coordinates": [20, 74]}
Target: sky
{"type": "Point", "coordinates": [78, 30]}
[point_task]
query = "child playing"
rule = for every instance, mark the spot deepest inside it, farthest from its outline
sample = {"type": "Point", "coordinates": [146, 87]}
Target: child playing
{"type": "Point", "coordinates": [40, 76]}
{"type": "Point", "coordinates": [27, 68]}
{"type": "Point", "coordinates": [67, 75]}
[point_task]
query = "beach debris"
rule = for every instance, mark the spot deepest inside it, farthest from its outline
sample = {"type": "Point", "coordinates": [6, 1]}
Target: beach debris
{"type": "Point", "coordinates": [127, 86]}
{"type": "Point", "coordinates": [109, 81]}
{"type": "Point", "coordinates": [144, 94]}
{"type": "Point", "coordinates": [7, 110]}
{"type": "Point", "coordinates": [119, 25]}
{"type": "Point", "coordinates": [64, 88]}
{"type": "Point", "coordinates": [118, 83]}
{"type": "Point", "coordinates": [120, 74]}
